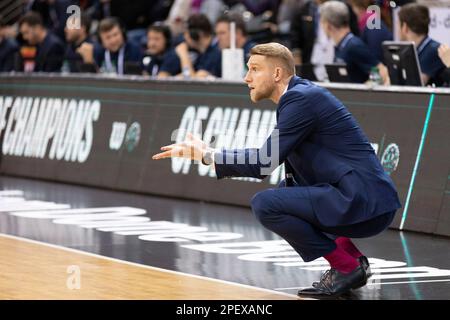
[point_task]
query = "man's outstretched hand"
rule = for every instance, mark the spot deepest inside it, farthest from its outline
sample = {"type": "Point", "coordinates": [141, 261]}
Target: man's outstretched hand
{"type": "Point", "coordinates": [192, 148]}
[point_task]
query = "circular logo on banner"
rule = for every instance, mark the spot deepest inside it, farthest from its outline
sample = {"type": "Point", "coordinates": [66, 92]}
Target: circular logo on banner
{"type": "Point", "coordinates": [132, 137]}
{"type": "Point", "coordinates": [390, 158]}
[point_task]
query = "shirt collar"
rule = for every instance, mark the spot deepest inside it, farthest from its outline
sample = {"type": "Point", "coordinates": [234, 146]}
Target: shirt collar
{"type": "Point", "coordinates": [423, 44]}
{"type": "Point", "coordinates": [344, 40]}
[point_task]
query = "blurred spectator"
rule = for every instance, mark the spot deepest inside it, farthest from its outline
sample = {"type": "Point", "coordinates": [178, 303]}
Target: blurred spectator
{"type": "Point", "coordinates": [414, 20]}
{"type": "Point", "coordinates": [224, 37]}
{"type": "Point", "coordinates": [197, 56]}
{"type": "Point", "coordinates": [305, 29]}
{"type": "Point", "coordinates": [213, 9]}
{"type": "Point", "coordinates": [96, 9]}
{"type": "Point", "coordinates": [50, 49]}
{"type": "Point", "coordinates": [158, 45]}
{"type": "Point", "coordinates": [372, 37]}
{"type": "Point", "coordinates": [176, 20]}
{"type": "Point", "coordinates": [79, 55]}
{"type": "Point", "coordinates": [334, 17]}
{"type": "Point", "coordinates": [54, 14]}
{"type": "Point", "coordinates": [9, 49]}
{"type": "Point", "coordinates": [116, 55]}
{"type": "Point", "coordinates": [137, 15]}
{"type": "Point", "coordinates": [258, 7]}
{"type": "Point", "coordinates": [286, 13]}
{"type": "Point", "coordinates": [444, 54]}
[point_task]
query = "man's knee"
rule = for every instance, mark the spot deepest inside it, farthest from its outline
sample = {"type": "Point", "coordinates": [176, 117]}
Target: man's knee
{"type": "Point", "coordinates": [263, 206]}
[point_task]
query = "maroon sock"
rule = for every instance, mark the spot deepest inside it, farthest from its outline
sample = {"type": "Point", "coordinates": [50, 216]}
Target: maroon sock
{"type": "Point", "coordinates": [347, 245]}
{"type": "Point", "coordinates": [340, 260]}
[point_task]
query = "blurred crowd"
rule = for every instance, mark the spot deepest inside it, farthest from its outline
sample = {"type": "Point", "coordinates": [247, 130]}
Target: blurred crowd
{"type": "Point", "coordinates": [185, 38]}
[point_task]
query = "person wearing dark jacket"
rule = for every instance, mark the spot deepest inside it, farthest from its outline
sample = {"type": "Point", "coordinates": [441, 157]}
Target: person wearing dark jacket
{"type": "Point", "coordinates": [414, 23]}
{"type": "Point", "coordinates": [9, 50]}
{"type": "Point", "coordinates": [50, 49]}
{"type": "Point", "coordinates": [333, 191]}
{"type": "Point", "coordinates": [75, 58]}
{"type": "Point", "coordinates": [116, 55]}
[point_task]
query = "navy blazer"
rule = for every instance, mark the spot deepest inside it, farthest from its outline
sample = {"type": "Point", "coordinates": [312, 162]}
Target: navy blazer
{"type": "Point", "coordinates": [328, 152]}
{"type": "Point", "coordinates": [50, 54]}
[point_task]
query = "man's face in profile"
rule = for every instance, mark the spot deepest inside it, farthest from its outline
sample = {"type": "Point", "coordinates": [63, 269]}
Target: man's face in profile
{"type": "Point", "coordinates": [260, 77]}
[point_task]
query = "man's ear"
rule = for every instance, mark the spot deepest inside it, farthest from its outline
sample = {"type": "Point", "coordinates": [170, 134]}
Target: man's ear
{"type": "Point", "coordinates": [404, 27]}
{"type": "Point", "coordinates": [278, 73]}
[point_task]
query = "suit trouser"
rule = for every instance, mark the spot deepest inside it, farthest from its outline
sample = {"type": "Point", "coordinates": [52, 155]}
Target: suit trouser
{"type": "Point", "coordinates": [288, 212]}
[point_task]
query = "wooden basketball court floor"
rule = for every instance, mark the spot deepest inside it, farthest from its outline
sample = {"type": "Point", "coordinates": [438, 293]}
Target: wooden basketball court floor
{"type": "Point", "coordinates": [61, 241]}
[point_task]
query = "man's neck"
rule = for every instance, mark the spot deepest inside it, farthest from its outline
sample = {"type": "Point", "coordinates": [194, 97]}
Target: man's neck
{"type": "Point", "coordinates": [417, 39]}
{"type": "Point", "coordinates": [240, 42]}
{"type": "Point", "coordinates": [339, 35]}
{"type": "Point", "coordinates": [280, 89]}
{"type": "Point", "coordinates": [205, 43]}
{"type": "Point", "coordinates": [123, 45]}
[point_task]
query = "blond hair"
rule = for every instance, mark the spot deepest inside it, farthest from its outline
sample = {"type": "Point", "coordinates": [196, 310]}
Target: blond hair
{"type": "Point", "coordinates": [277, 52]}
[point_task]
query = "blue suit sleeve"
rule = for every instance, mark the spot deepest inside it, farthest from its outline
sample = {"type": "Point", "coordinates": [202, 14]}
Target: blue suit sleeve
{"type": "Point", "coordinates": [296, 119]}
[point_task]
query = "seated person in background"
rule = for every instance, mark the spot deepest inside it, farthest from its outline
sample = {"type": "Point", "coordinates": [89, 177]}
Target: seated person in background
{"type": "Point", "coordinates": [79, 55]}
{"type": "Point", "coordinates": [9, 49]}
{"type": "Point", "coordinates": [197, 56]}
{"type": "Point", "coordinates": [414, 20]}
{"type": "Point", "coordinates": [115, 53]}
{"type": "Point", "coordinates": [444, 54]}
{"type": "Point", "coordinates": [369, 32]}
{"type": "Point", "coordinates": [54, 14]}
{"type": "Point", "coordinates": [334, 18]}
{"type": "Point", "coordinates": [306, 33]}
{"type": "Point", "coordinates": [50, 49]}
{"type": "Point", "coordinates": [224, 36]}
{"type": "Point", "coordinates": [158, 44]}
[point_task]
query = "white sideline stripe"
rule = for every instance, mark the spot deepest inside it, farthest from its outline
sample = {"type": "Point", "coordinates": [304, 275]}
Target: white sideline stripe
{"type": "Point", "coordinates": [148, 267]}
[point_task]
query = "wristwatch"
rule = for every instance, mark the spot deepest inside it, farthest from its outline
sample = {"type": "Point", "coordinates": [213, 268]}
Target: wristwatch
{"type": "Point", "coordinates": [208, 157]}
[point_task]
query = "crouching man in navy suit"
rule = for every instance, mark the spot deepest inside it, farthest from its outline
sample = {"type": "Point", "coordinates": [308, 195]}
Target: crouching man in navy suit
{"type": "Point", "coordinates": [335, 189]}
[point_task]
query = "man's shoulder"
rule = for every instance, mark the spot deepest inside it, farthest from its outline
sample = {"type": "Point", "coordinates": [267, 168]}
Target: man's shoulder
{"type": "Point", "coordinates": [356, 43]}
{"type": "Point", "coordinates": [301, 89]}
{"type": "Point", "coordinates": [9, 44]}
{"type": "Point", "coordinates": [54, 41]}
{"type": "Point", "coordinates": [133, 50]}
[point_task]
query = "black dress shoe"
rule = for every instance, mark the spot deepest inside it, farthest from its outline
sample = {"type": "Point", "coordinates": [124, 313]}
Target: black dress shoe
{"type": "Point", "coordinates": [364, 263]}
{"type": "Point", "coordinates": [333, 283]}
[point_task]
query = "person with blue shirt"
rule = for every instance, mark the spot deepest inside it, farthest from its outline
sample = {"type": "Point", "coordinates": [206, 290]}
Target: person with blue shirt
{"type": "Point", "coordinates": [159, 40]}
{"type": "Point", "coordinates": [335, 187]}
{"type": "Point", "coordinates": [197, 56]}
{"type": "Point", "coordinates": [224, 36]}
{"type": "Point", "coordinates": [9, 49]}
{"type": "Point", "coordinates": [116, 55]}
{"type": "Point", "coordinates": [350, 49]}
{"type": "Point", "coordinates": [414, 20]}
